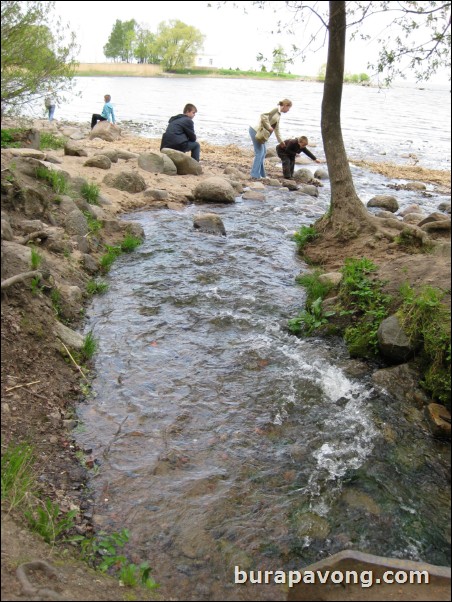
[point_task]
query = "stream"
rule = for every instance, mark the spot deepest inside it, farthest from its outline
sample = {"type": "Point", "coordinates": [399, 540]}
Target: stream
{"type": "Point", "coordinates": [221, 439]}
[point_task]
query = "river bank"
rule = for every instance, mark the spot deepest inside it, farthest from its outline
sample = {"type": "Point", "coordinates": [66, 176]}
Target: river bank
{"type": "Point", "coordinates": [149, 70]}
{"type": "Point", "coordinates": [40, 385]}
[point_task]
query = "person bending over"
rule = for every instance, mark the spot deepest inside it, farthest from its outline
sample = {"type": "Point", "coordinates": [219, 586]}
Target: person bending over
{"type": "Point", "coordinates": [180, 133]}
{"type": "Point", "coordinates": [108, 113]}
{"type": "Point", "coordinates": [289, 150]}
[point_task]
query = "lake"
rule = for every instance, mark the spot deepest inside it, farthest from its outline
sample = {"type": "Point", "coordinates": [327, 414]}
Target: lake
{"type": "Point", "coordinates": [377, 124]}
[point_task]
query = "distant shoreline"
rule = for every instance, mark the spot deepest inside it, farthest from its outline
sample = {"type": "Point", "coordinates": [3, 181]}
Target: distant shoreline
{"type": "Point", "coordinates": [146, 70]}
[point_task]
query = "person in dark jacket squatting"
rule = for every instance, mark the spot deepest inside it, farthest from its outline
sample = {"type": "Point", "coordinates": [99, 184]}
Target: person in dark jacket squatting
{"type": "Point", "coordinates": [289, 151]}
{"type": "Point", "coordinates": [180, 133]}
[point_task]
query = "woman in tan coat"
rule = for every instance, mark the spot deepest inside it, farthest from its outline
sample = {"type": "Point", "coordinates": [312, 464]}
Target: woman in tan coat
{"type": "Point", "coordinates": [269, 123]}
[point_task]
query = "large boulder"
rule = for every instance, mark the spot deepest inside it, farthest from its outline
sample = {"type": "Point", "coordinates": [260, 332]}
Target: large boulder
{"type": "Point", "coordinates": [384, 201]}
{"type": "Point", "coordinates": [157, 163]}
{"type": "Point", "coordinates": [214, 190]}
{"type": "Point", "coordinates": [393, 343]}
{"type": "Point", "coordinates": [185, 165]}
{"type": "Point", "coordinates": [128, 181]}
{"type": "Point", "coordinates": [106, 131]}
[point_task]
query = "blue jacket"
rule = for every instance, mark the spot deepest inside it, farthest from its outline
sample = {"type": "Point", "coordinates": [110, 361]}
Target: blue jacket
{"type": "Point", "coordinates": [179, 132]}
{"type": "Point", "coordinates": [108, 112]}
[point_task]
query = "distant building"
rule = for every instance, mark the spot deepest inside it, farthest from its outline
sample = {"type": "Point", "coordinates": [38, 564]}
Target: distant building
{"type": "Point", "coordinates": [206, 60]}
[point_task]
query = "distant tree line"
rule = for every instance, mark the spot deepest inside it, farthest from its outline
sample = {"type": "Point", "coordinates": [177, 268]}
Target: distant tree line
{"type": "Point", "coordinates": [174, 46]}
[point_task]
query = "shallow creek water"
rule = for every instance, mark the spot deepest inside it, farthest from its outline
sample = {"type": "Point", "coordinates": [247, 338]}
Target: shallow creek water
{"type": "Point", "coordinates": [224, 440]}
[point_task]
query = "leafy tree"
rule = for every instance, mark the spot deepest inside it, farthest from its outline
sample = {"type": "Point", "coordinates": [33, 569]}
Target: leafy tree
{"type": "Point", "coordinates": [113, 47]}
{"type": "Point", "coordinates": [145, 50]}
{"type": "Point", "coordinates": [178, 44]}
{"type": "Point", "coordinates": [121, 41]}
{"type": "Point", "coordinates": [36, 55]}
{"type": "Point", "coordinates": [280, 60]}
{"type": "Point", "coordinates": [348, 217]}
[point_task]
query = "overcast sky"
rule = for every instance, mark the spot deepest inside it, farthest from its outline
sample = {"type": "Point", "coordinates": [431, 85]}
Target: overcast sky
{"type": "Point", "coordinates": [232, 38]}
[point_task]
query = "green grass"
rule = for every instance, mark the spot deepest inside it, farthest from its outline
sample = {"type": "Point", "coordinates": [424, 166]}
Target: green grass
{"type": "Point", "coordinates": [96, 287]}
{"type": "Point", "coordinates": [127, 245]}
{"type": "Point", "coordinates": [36, 258]}
{"type": "Point", "coordinates": [361, 296]}
{"type": "Point", "coordinates": [313, 287]}
{"type": "Point", "coordinates": [130, 243]}
{"type": "Point", "coordinates": [55, 297]}
{"type": "Point", "coordinates": [57, 180]}
{"type": "Point", "coordinates": [50, 141]}
{"type": "Point", "coordinates": [107, 260]}
{"type": "Point", "coordinates": [94, 225]}
{"type": "Point", "coordinates": [426, 321]}
{"type": "Point", "coordinates": [45, 520]}
{"type": "Point", "coordinates": [304, 235]}
{"type": "Point", "coordinates": [90, 192]}
{"type": "Point", "coordinates": [89, 346]}
{"type": "Point", "coordinates": [18, 479]}
{"type": "Point", "coordinates": [8, 137]}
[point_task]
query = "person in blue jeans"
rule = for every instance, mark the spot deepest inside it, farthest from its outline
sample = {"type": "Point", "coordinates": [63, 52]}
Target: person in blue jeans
{"type": "Point", "coordinates": [50, 104]}
{"type": "Point", "coordinates": [180, 133]}
{"type": "Point", "coordinates": [268, 123]}
{"type": "Point", "coordinates": [108, 113]}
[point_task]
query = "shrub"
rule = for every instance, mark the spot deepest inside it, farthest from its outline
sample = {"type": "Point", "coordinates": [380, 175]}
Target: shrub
{"type": "Point", "coordinates": [362, 297]}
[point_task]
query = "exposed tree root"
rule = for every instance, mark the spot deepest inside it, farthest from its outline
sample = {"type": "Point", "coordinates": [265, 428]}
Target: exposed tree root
{"type": "Point", "coordinates": [20, 278]}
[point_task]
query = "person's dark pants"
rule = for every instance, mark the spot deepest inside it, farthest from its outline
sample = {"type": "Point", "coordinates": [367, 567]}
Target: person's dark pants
{"type": "Point", "coordinates": [195, 149]}
{"type": "Point", "coordinates": [288, 165]}
{"type": "Point", "coordinates": [95, 118]}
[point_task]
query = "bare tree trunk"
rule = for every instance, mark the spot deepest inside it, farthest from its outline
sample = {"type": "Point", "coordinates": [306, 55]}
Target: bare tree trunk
{"type": "Point", "coordinates": [348, 215]}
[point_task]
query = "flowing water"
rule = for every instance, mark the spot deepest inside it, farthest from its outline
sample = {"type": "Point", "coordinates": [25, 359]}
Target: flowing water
{"type": "Point", "coordinates": [220, 438]}
{"type": "Point", "coordinates": [224, 440]}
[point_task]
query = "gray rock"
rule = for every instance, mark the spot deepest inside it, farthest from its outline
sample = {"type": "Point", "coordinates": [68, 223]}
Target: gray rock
{"type": "Point", "coordinates": [69, 337]}
{"type": "Point", "coordinates": [215, 190]}
{"type": "Point", "coordinates": [155, 194]}
{"type": "Point", "coordinates": [393, 343]}
{"type": "Point", "coordinates": [106, 131]}
{"type": "Point", "coordinates": [110, 153]}
{"type": "Point", "coordinates": [385, 201]}
{"type": "Point", "coordinates": [99, 161]}
{"type": "Point", "coordinates": [185, 165]}
{"type": "Point", "coordinates": [209, 223]}
{"type": "Point", "coordinates": [76, 223]}
{"type": "Point", "coordinates": [72, 149]}
{"type": "Point", "coordinates": [128, 181]}
{"type": "Point", "coordinates": [321, 174]}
